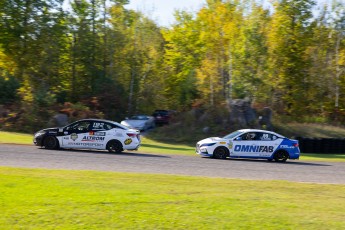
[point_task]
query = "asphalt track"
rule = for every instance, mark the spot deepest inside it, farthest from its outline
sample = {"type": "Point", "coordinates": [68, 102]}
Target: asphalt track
{"type": "Point", "coordinates": [298, 171]}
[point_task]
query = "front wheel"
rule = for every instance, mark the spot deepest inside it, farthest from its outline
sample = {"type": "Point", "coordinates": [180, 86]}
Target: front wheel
{"type": "Point", "coordinates": [281, 156]}
{"type": "Point", "coordinates": [114, 146]}
{"type": "Point", "coordinates": [50, 142]}
{"type": "Point", "coordinates": [220, 153]}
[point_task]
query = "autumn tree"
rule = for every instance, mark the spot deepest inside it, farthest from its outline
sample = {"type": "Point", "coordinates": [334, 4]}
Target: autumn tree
{"type": "Point", "coordinates": [289, 37]}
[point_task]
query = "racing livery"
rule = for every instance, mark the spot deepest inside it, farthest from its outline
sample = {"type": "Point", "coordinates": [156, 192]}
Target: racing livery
{"type": "Point", "coordinates": [250, 143]}
{"type": "Point", "coordinates": [90, 134]}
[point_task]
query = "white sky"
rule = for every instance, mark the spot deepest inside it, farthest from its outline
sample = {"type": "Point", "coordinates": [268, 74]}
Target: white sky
{"type": "Point", "coordinates": [162, 11]}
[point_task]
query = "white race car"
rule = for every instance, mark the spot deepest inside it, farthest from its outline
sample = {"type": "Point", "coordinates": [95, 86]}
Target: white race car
{"type": "Point", "coordinates": [90, 134]}
{"type": "Point", "coordinates": [250, 143]}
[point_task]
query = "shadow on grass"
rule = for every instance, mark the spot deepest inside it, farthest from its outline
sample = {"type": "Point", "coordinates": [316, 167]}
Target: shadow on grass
{"type": "Point", "coordinates": [164, 147]}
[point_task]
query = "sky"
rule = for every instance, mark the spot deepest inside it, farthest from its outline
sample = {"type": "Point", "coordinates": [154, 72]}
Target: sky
{"type": "Point", "coordinates": [162, 11]}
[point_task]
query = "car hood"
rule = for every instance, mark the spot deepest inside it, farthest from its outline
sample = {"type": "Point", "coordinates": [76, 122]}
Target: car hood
{"type": "Point", "coordinates": [212, 140]}
{"type": "Point", "coordinates": [50, 130]}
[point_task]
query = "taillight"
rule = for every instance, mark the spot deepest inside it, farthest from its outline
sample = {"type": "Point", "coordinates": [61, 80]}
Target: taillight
{"type": "Point", "coordinates": [131, 134]}
{"type": "Point", "coordinates": [295, 145]}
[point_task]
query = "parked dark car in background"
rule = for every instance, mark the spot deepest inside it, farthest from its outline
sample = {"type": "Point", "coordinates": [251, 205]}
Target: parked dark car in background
{"type": "Point", "coordinates": [162, 117]}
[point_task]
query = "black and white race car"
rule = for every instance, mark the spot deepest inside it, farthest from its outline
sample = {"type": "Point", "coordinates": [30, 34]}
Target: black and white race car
{"type": "Point", "coordinates": [250, 143]}
{"type": "Point", "coordinates": [90, 134]}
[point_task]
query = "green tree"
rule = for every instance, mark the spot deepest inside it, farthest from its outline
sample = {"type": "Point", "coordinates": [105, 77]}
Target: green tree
{"type": "Point", "coordinates": [289, 37]}
{"type": "Point", "coordinates": [183, 51]}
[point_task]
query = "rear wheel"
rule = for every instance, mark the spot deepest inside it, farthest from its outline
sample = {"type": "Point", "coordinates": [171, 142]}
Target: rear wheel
{"type": "Point", "coordinates": [281, 156]}
{"type": "Point", "coordinates": [220, 153]}
{"type": "Point", "coordinates": [50, 142]}
{"type": "Point", "coordinates": [114, 146]}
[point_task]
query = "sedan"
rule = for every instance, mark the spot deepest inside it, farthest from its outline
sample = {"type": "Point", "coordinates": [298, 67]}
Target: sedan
{"type": "Point", "coordinates": [250, 143]}
{"type": "Point", "coordinates": [140, 122]}
{"type": "Point", "coordinates": [90, 134]}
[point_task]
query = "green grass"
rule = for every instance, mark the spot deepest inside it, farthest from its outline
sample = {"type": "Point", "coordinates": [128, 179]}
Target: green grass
{"type": "Point", "coordinates": [151, 146]}
{"type": "Point", "coordinates": [15, 138]}
{"type": "Point", "coordinates": [323, 157]}
{"type": "Point", "coordinates": [61, 199]}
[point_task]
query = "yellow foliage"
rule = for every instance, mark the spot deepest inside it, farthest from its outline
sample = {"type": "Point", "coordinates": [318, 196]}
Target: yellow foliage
{"type": "Point", "coordinates": [6, 63]}
{"type": "Point", "coordinates": [25, 91]}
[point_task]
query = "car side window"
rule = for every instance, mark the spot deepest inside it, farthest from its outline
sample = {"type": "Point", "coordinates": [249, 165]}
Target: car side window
{"type": "Point", "coordinates": [101, 126]}
{"type": "Point", "coordinates": [251, 136]}
{"type": "Point", "coordinates": [265, 136]}
{"type": "Point", "coordinates": [82, 126]}
{"type": "Point", "coordinates": [98, 126]}
{"type": "Point", "coordinates": [107, 126]}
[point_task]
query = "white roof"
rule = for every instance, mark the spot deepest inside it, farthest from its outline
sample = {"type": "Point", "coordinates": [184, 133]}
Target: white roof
{"type": "Point", "coordinates": [259, 130]}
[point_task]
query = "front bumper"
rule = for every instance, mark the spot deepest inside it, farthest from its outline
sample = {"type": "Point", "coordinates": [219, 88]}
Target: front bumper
{"type": "Point", "coordinates": [202, 151]}
{"type": "Point", "coordinates": [38, 140]}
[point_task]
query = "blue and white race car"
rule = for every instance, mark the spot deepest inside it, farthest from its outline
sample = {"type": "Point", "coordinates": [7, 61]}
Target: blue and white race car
{"type": "Point", "coordinates": [250, 143]}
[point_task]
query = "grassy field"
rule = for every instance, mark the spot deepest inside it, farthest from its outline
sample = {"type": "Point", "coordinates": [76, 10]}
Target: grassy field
{"type": "Point", "coordinates": [155, 147]}
{"type": "Point", "coordinates": [61, 199]}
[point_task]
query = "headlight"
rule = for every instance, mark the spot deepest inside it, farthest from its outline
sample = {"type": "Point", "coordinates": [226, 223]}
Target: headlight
{"type": "Point", "coordinates": [207, 144]}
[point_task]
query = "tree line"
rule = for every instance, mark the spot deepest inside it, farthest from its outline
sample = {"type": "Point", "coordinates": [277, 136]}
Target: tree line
{"type": "Point", "coordinates": [98, 55]}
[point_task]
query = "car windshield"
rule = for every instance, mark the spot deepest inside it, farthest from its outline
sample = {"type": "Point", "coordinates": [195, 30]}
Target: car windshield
{"type": "Point", "coordinates": [139, 117]}
{"type": "Point", "coordinates": [232, 135]}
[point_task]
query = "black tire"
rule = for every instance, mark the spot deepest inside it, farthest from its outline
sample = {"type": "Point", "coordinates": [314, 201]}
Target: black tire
{"type": "Point", "coordinates": [281, 156]}
{"type": "Point", "coordinates": [220, 153]}
{"type": "Point", "coordinates": [51, 142]}
{"type": "Point", "coordinates": [114, 146]}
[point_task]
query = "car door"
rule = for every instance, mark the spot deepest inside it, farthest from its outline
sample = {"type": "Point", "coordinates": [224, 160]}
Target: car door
{"type": "Point", "coordinates": [75, 134]}
{"type": "Point", "coordinates": [267, 143]}
{"type": "Point", "coordinates": [97, 136]}
{"type": "Point", "coordinates": [246, 145]}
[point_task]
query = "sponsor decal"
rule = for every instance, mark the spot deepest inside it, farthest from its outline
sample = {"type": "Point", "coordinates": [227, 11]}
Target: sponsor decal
{"type": "Point", "coordinates": [83, 144]}
{"type": "Point", "coordinates": [74, 136]}
{"type": "Point", "coordinates": [66, 138]}
{"type": "Point", "coordinates": [52, 132]}
{"type": "Point", "coordinates": [253, 148]}
{"type": "Point", "coordinates": [93, 133]}
{"type": "Point", "coordinates": [286, 147]}
{"type": "Point", "coordinates": [128, 141]}
{"type": "Point", "coordinates": [93, 138]}
{"type": "Point", "coordinates": [222, 142]}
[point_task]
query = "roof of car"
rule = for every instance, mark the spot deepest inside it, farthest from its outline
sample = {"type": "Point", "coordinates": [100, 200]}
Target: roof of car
{"type": "Point", "coordinates": [259, 130]}
{"type": "Point", "coordinates": [96, 119]}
